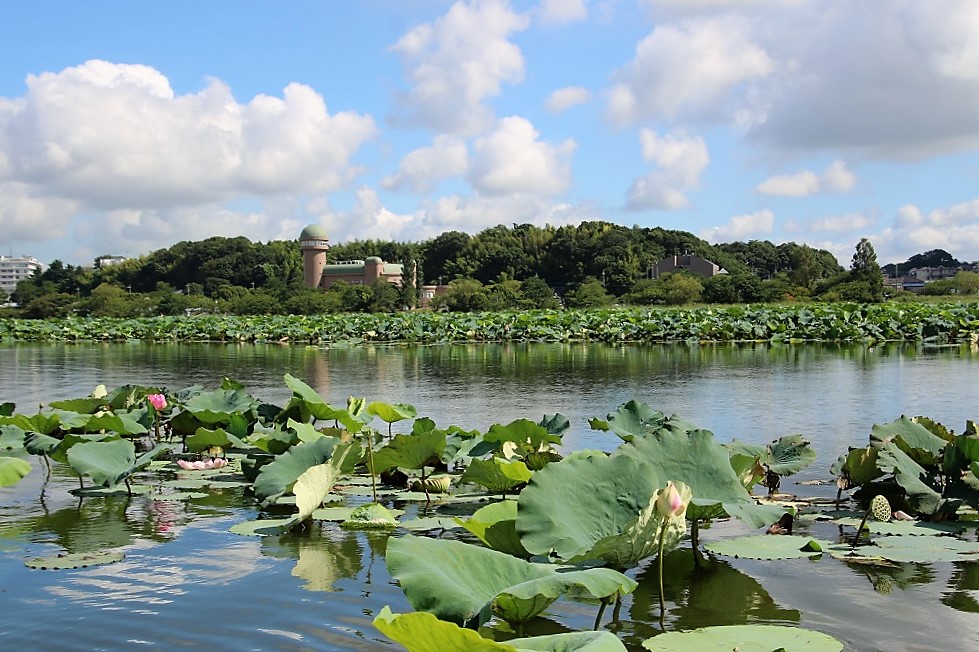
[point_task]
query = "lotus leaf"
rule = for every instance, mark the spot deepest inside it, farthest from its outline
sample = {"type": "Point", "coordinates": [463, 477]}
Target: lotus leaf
{"type": "Point", "coordinates": [122, 424]}
{"type": "Point", "coordinates": [392, 413]}
{"type": "Point", "coordinates": [205, 439]}
{"type": "Point", "coordinates": [263, 527]}
{"type": "Point", "coordinates": [370, 517]}
{"type": "Point", "coordinates": [570, 506]}
{"type": "Point", "coordinates": [524, 435]}
{"type": "Point", "coordinates": [498, 476]}
{"type": "Point", "coordinates": [912, 549]}
{"type": "Point", "coordinates": [642, 537]}
{"type": "Point", "coordinates": [76, 560]}
{"type": "Point", "coordinates": [410, 451]}
{"type": "Point", "coordinates": [423, 632]}
{"type": "Point", "coordinates": [784, 456]}
{"type": "Point", "coordinates": [467, 584]}
{"type": "Point", "coordinates": [696, 459]}
{"type": "Point", "coordinates": [216, 407]}
{"type": "Point", "coordinates": [496, 526]}
{"type": "Point", "coordinates": [556, 424]}
{"type": "Point", "coordinates": [316, 482]}
{"type": "Point", "coordinates": [278, 476]}
{"type": "Point", "coordinates": [859, 465]}
{"type": "Point", "coordinates": [12, 470]}
{"type": "Point", "coordinates": [744, 638]}
{"type": "Point", "coordinates": [428, 523]}
{"type": "Point", "coordinates": [108, 463]}
{"type": "Point", "coordinates": [7, 408]}
{"type": "Point", "coordinates": [769, 547]}
{"type": "Point", "coordinates": [905, 528]}
{"type": "Point", "coordinates": [89, 405]}
{"type": "Point", "coordinates": [42, 423]}
{"type": "Point", "coordinates": [436, 484]}
{"type": "Point", "coordinates": [12, 438]}
{"type": "Point", "coordinates": [913, 438]}
{"type": "Point", "coordinates": [313, 405]}
{"type": "Point", "coordinates": [633, 419]}
{"type": "Point", "coordinates": [922, 496]}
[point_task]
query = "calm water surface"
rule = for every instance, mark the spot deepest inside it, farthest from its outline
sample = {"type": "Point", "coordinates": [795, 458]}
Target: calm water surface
{"type": "Point", "coordinates": [187, 583]}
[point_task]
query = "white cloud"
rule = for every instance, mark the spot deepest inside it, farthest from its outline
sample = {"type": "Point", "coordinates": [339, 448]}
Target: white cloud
{"type": "Point", "coordinates": [559, 12]}
{"type": "Point", "coordinates": [690, 68]}
{"type": "Point", "coordinates": [836, 178]}
{"type": "Point", "coordinates": [457, 62]}
{"type": "Point", "coordinates": [512, 159]}
{"type": "Point", "coordinates": [564, 98]}
{"type": "Point", "coordinates": [742, 227]}
{"type": "Point", "coordinates": [680, 160]}
{"type": "Point", "coordinates": [847, 223]}
{"type": "Point", "coordinates": [115, 136]}
{"type": "Point", "coordinates": [422, 168]}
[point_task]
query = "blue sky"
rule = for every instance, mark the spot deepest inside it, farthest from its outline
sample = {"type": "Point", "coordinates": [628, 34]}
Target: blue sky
{"type": "Point", "coordinates": [126, 127]}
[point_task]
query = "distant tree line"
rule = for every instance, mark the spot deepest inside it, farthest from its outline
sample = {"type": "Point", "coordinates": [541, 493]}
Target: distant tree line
{"type": "Point", "coordinates": [518, 267]}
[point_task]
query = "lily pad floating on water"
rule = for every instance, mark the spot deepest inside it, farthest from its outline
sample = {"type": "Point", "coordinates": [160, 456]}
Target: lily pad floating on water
{"type": "Point", "coordinates": [263, 527]}
{"type": "Point", "coordinates": [905, 528]}
{"type": "Point", "coordinates": [744, 638]}
{"type": "Point", "coordinates": [370, 517]}
{"type": "Point", "coordinates": [769, 547]}
{"type": "Point", "coordinates": [75, 560]}
{"type": "Point", "coordinates": [911, 549]}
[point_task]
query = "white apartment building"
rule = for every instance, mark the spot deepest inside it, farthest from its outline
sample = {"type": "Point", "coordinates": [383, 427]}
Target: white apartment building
{"type": "Point", "coordinates": [14, 269]}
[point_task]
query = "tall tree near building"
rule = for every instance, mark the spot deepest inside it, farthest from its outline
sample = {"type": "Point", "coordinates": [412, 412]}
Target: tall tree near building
{"type": "Point", "coordinates": [864, 268]}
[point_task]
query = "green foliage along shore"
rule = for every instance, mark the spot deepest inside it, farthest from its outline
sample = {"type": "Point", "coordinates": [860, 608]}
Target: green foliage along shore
{"type": "Point", "coordinates": [941, 323]}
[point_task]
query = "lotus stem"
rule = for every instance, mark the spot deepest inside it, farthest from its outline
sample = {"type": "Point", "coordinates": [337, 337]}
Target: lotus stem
{"type": "Point", "coordinates": [370, 457]}
{"type": "Point", "coordinates": [662, 601]}
{"type": "Point", "coordinates": [601, 610]}
{"type": "Point", "coordinates": [856, 538]}
{"type": "Point", "coordinates": [617, 608]}
{"type": "Point", "coordinates": [428, 499]}
{"type": "Point", "coordinates": [695, 542]}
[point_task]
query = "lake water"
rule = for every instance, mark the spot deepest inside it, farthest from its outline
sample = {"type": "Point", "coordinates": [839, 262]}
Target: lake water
{"type": "Point", "coordinates": [186, 582]}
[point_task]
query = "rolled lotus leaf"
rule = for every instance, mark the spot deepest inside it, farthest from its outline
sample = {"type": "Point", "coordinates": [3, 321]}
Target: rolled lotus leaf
{"type": "Point", "coordinates": [436, 484]}
{"type": "Point", "coordinates": [370, 517]}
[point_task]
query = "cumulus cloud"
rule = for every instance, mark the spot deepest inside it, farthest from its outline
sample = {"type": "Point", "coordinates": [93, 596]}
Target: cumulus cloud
{"type": "Point", "coordinates": [115, 136]}
{"type": "Point", "coordinates": [513, 159]}
{"type": "Point", "coordinates": [422, 168]}
{"type": "Point", "coordinates": [564, 98]}
{"type": "Point", "coordinates": [847, 223]}
{"type": "Point", "coordinates": [689, 68]}
{"type": "Point", "coordinates": [954, 229]}
{"type": "Point", "coordinates": [559, 12]}
{"type": "Point", "coordinates": [679, 160]}
{"type": "Point", "coordinates": [867, 77]}
{"type": "Point", "coordinates": [836, 178]}
{"type": "Point", "coordinates": [742, 227]}
{"type": "Point", "coordinates": [457, 62]}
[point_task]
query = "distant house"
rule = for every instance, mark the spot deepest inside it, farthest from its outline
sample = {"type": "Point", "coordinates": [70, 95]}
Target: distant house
{"type": "Point", "coordinates": [686, 262]}
{"type": "Point", "coordinates": [14, 269]}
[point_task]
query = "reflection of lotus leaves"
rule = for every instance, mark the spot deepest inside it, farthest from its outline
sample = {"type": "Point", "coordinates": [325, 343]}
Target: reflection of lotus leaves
{"type": "Point", "coordinates": [713, 594]}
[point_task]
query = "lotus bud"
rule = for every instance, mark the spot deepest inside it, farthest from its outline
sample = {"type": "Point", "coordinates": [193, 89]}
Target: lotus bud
{"type": "Point", "coordinates": [158, 401]}
{"type": "Point", "coordinates": [669, 503]}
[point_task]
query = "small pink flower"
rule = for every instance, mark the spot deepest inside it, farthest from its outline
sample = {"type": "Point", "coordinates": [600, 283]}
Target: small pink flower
{"type": "Point", "coordinates": [158, 401]}
{"type": "Point", "coordinates": [669, 503]}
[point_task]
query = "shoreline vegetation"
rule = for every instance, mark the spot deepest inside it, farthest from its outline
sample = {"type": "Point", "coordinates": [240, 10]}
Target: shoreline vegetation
{"type": "Point", "coordinates": [938, 323]}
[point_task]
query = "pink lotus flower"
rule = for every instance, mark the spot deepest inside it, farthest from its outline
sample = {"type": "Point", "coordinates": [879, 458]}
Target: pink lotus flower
{"type": "Point", "coordinates": [158, 401]}
{"type": "Point", "coordinates": [669, 503]}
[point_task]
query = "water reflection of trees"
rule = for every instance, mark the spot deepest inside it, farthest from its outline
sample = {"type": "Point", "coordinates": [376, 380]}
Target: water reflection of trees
{"type": "Point", "coordinates": [964, 588]}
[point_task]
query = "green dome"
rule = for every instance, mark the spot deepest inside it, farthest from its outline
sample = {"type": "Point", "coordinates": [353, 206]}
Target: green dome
{"type": "Point", "coordinates": [373, 259]}
{"type": "Point", "coordinates": [314, 232]}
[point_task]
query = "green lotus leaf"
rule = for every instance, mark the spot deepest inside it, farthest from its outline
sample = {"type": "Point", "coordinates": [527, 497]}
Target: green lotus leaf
{"type": "Point", "coordinates": [278, 476]}
{"type": "Point", "coordinates": [860, 464]}
{"type": "Point", "coordinates": [410, 451]}
{"type": "Point", "coordinates": [744, 638]}
{"type": "Point", "coordinates": [922, 496]}
{"type": "Point", "coordinates": [370, 517]}
{"type": "Point", "coordinates": [7, 408]}
{"type": "Point", "coordinates": [641, 538]}
{"type": "Point", "coordinates": [205, 439]}
{"type": "Point", "coordinates": [316, 482]}
{"type": "Point", "coordinates": [108, 463]}
{"type": "Point", "coordinates": [43, 423]}
{"type": "Point", "coordinates": [789, 454]}
{"type": "Point", "coordinates": [89, 405]}
{"type": "Point", "coordinates": [436, 484]}
{"type": "Point", "coordinates": [216, 407]}
{"type": "Point", "coordinates": [274, 440]}
{"type": "Point", "coordinates": [556, 424]}
{"type": "Point", "coordinates": [12, 438]}
{"type": "Point", "coordinates": [263, 527]}
{"type": "Point", "coordinates": [963, 452]}
{"type": "Point", "coordinates": [336, 514]}
{"type": "Point", "coordinates": [428, 523]}
{"type": "Point", "coordinates": [913, 438]}
{"type": "Point", "coordinates": [496, 526]}
{"type": "Point", "coordinates": [498, 476]}
{"type": "Point", "coordinates": [760, 546]}
{"type": "Point", "coordinates": [12, 470]}
{"type": "Point", "coordinates": [75, 560]}
{"type": "Point", "coordinates": [635, 419]}
{"type": "Point", "coordinates": [525, 434]}
{"type": "Point", "coordinates": [467, 584]}
{"type": "Point", "coordinates": [570, 505]}
{"type": "Point", "coordinates": [696, 459]}
{"type": "Point", "coordinates": [313, 404]}
{"type": "Point", "coordinates": [422, 632]}
{"type": "Point", "coordinates": [904, 528]}
{"type": "Point", "coordinates": [392, 413]}
{"type": "Point", "coordinates": [122, 424]}
{"type": "Point", "coordinates": [911, 549]}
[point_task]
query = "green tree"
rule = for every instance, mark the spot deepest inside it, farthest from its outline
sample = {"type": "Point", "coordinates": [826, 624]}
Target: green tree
{"type": "Point", "coordinates": [384, 296]}
{"type": "Point", "coordinates": [536, 293]}
{"type": "Point", "coordinates": [462, 295]}
{"type": "Point", "coordinates": [864, 268]}
{"type": "Point", "coordinates": [590, 294]}
{"type": "Point", "coordinates": [967, 283]}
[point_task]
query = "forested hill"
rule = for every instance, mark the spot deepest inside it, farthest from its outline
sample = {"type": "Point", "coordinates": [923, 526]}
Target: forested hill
{"type": "Point", "coordinates": [562, 256]}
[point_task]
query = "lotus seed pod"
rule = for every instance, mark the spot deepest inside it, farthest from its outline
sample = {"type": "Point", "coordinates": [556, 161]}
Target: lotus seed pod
{"type": "Point", "coordinates": [880, 509]}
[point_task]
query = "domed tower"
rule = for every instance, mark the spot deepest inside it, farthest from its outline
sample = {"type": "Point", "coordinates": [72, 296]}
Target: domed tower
{"type": "Point", "coordinates": [314, 244]}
